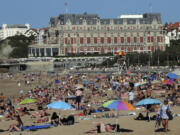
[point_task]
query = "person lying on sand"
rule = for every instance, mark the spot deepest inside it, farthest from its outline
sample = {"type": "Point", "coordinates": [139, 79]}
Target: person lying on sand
{"type": "Point", "coordinates": [102, 128]}
{"type": "Point", "coordinates": [39, 114]}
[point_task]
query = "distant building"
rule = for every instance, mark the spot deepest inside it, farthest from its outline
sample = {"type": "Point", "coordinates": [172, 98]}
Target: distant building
{"type": "Point", "coordinates": [88, 33]}
{"type": "Point", "coordinates": [12, 30]}
{"type": "Point", "coordinates": [31, 32]}
{"type": "Point", "coordinates": [172, 30]}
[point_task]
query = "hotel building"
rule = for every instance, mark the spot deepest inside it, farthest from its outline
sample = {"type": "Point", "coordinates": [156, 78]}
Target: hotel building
{"type": "Point", "coordinates": [88, 33]}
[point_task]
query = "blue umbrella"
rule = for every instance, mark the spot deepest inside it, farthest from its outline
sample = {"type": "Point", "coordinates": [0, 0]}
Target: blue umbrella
{"type": "Point", "coordinates": [148, 101]}
{"type": "Point", "coordinates": [88, 82]}
{"type": "Point", "coordinates": [57, 81]}
{"type": "Point", "coordinates": [59, 105]}
{"type": "Point", "coordinates": [172, 75]}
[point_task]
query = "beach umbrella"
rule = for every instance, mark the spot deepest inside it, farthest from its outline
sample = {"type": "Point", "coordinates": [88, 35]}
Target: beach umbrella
{"type": "Point", "coordinates": [172, 75]}
{"type": "Point", "coordinates": [27, 101]}
{"type": "Point", "coordinates": [60, 105]}
{"type": "Point", "coordinates": [57, 81]}
{"type": "Point", "coordinates": [148, 101]}
{"type": "Point", "coordinates": [168, 82]}
{"type": "Point", "coordinates": [118, 105]}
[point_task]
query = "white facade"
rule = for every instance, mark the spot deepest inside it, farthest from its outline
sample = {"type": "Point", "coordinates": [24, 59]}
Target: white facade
{"type": "Point", "coordinates": [167, 41]}
{"type": "Point", "coordinates": [131, 16]}
{"type": "Point", "coordinates": [173, 31]}
{"type": "Point", "coordinates": [12, 30]}
{"type": "Point", "coordinates": [30, 32]}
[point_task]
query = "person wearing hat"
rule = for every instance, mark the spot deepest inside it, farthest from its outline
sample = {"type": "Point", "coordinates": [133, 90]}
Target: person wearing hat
{"type": "Point", "coordinates": [164, 109]}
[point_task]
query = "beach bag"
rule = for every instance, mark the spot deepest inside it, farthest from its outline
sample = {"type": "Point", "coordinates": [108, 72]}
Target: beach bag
{"type": "Point", "coordinates": [169, 113]}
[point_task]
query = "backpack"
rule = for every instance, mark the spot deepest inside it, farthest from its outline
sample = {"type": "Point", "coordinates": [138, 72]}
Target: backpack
{"type": "Point", "coordinates": [169, 113]}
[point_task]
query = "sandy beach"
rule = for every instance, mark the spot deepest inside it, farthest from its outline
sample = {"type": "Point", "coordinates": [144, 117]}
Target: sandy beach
{"type": "Point", "coordinates": [128, 125]}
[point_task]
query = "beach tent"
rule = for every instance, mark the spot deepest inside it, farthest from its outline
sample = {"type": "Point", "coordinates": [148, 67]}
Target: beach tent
{"type": "Point", "coordinates": [59, 105]}
{"type": "Point", "coordinates": [27, 101]}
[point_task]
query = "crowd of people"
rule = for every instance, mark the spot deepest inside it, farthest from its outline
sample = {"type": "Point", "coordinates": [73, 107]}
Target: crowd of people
{"type": "Point", "coordinates": [85, 92]}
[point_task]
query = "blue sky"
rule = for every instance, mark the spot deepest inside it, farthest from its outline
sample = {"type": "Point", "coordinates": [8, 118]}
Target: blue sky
{"type": "Point", "coordinates": [38, 12]}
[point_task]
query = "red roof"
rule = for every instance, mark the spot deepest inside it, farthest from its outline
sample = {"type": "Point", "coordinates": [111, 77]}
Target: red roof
{"type": "Point", "coordinates": [172, 26]}
{"type": "Point", "coordinates": [45, 28]}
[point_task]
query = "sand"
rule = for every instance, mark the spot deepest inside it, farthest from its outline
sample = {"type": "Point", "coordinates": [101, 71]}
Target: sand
{"type": "Point", "coordinates": [10, 89]}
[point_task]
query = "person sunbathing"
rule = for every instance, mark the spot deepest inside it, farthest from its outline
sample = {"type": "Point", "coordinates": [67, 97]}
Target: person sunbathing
{"type": "Point", "coordinates": [16, 126]}
{"type": "Point", "coordinates": [54, 119]}
{"type": "Point", "coordinates": [102, 128]}
{"type": "Point", "coordinates": [39, 114]}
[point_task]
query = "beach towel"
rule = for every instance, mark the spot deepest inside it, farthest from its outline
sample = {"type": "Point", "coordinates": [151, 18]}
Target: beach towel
{"type": "Point", "coordinates": [36, 127]}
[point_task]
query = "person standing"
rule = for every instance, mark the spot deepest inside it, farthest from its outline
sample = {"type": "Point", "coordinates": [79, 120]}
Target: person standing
{"type": "Point", "coordinates": [163, 112]}
{"type": "Point", "coordinates": [131, 96]}
{"type": "Point", "coordinates": [78, 99]}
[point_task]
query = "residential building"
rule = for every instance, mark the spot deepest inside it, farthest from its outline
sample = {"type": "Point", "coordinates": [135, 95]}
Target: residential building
{"type": "Point", "coordinates": [12, 30]}
{"type": "Point", "coordinates": [172, 30]}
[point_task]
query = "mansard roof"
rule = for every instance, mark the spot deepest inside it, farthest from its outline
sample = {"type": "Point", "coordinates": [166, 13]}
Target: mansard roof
{"type": "Point", "coordinates": [92, 19]}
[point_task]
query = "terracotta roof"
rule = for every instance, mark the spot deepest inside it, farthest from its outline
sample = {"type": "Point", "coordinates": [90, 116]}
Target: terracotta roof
{"type": "Point", "coordinates": [45, 28]}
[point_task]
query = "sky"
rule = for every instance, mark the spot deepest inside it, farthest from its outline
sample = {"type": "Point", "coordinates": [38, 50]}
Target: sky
{"type": "Point", "coordinates": [38, 12]}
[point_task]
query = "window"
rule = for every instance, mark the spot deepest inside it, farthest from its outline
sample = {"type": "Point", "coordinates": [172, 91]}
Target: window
{"type": "Point", "coordinates": [152, 39]}
{"type": "Point", "coordinates": [141, 39]}
{"type": "Point", "coordinates": [88, 40]}
{"type": "Point", "coordinates": [95, 40]}
{"type": "Point", "coordinates": [128, 39]}
{"type": "Point", "coordinates": [102, 40]}
{"type": "Point", "coordinates": [66, 40]}
{"type": "Point", "coordinates": [135, 39]}
{"type": "Point", "coordinates": [115, 40]}
{"type": "Point", "coordinates": [122, 39]}
{"type": "Point", "coordinates": [158, 39]}
{"type": "Point", "coordinates": [148, 39]}
{"type": "Point", "coordinates": [71, 40]}
{"type": "Point", "coordinates": [109, 40]}
{"type": "Point", "coordinates": [81, 40]}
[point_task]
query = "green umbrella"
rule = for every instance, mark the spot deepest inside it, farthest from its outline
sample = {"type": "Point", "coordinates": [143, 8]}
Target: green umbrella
{"type": "Point", "coordinates": [27, 101]}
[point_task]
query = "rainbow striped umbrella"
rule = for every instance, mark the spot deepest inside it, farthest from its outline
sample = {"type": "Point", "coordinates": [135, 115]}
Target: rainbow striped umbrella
{"type": "Point", "coordinates": [118, 105]}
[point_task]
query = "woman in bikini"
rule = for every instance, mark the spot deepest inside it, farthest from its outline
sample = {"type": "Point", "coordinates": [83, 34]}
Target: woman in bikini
{"type": "Point", "coordinates": [16, 126]}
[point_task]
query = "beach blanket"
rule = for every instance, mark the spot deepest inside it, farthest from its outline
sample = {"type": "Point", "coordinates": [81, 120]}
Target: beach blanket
{"type": "Point", "coordinates": [159, 91]}
{"type": "Point", "coordinates": [36, 127]}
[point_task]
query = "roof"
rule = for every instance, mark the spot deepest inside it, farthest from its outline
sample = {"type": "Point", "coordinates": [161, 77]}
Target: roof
{"type": "Point", "coordinates": [16, 26]}
{"type": "Point", "coordinates": [45, 28]}
{"type": "Point", "coordinates": [171, 26]}
{"type": "Point", "coordinates": [92, 19]}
